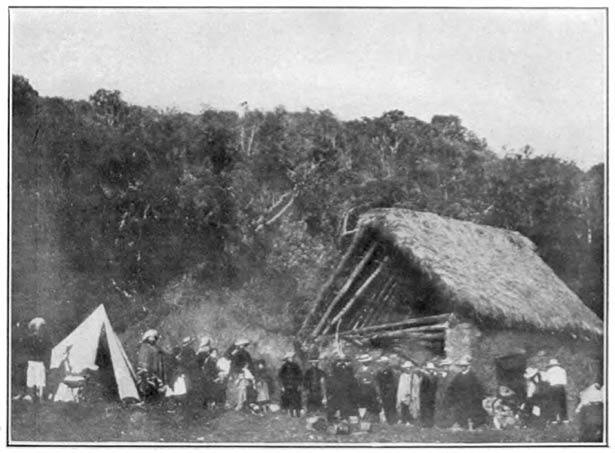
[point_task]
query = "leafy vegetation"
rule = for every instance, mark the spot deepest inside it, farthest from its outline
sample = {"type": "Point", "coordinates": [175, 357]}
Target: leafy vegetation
{"type": "Point", "coordinates": [112, 202]}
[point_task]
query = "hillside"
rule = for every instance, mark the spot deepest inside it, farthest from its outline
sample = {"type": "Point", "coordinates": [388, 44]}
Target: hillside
{"type": "Point", "coordinates": [226, 223]}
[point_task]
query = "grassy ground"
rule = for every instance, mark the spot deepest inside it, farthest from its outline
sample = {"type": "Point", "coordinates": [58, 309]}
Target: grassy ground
{"type": "Point", "coordinates": [108, 422]}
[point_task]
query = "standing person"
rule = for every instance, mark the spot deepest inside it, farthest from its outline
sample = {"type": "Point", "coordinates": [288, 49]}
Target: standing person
{"type": "Point", "coordinates": [341, 390]}
{"type": "Point", "coordinates": [150, 365]}
{"type": "Point", "coordinates": [591, 413]}
{"type": "Point", "coordinates": [188, 369]}
{"type": "Point", "coordinates": [557, 379]}
{"type": "Point", "coordinates": [367, 395]}
{"type": "Point", "coordinates": [239, 359]}
{"type": "Point", "coordinates": [37, 349]}
{"type": "Point", "coordinates": [212, 387]}
{"type": "Point", "coordinates": [263, 384]}
{"type": "Point", "coordinates": [428, 389]}
{"type": "Point", "coordinates": [387, 389]}
{"type": "Point", "coordinates": [445, 373]}
{"type": "Point", "coordinates": [290, 377]}
{"type": "Point", "coordinates": [314, 382]}
{"type": "Point", "coordinates": [203, 351]}
{"type": "Point", "coordinates": [404, 391]}
{"type": "Point", "coordinates": [464, 397]}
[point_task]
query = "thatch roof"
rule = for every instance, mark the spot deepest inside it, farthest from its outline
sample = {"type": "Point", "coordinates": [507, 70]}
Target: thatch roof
{"type": "Point", "coordinates": [490, 272]}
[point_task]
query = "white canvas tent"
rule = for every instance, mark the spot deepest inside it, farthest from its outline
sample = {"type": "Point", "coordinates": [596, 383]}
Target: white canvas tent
{"type": "Point", "coordinates": [83, 345]}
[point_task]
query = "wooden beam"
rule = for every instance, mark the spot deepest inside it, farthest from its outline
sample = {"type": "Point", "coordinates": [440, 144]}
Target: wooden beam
{"type": "Point", "coordinates": [360, 317]}
{"type": "Point", "coordinates": [423, 321]}
{"type": "Point", "coordinates": [356, 295]}
{"type": "Point", "coordinates": [404, 334]}
{"type": "Point", "coordinates": [379, 306]}
{"type": "Point", "coordinates": [400, 332]}
{"type": "Point", "coordinates": [329, 283]}
{"type": "Point", "coordinates": [357, 270]}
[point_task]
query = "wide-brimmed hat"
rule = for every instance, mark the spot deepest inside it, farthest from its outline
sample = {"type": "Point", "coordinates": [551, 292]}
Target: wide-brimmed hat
{"type": "Point", "coordinates": [364, 358]}
{"type": "Point", "coordinates": [36, 323]}
{"type": "Point", "coordinates": [407, 364]}
{"type": "Point", "coordinates": [553, 362]}
{"type": "Point", "coordinates": [187, 341]}
{"type": "Point", "coordinates": [463, 362]}
{"type": "Point", "coordinates": [149, 334]}
{"type": "Point", "coordinates": [383, 359]}
{"type": "Point", "coordinates": [430, 366]}
{"type": "Point", "coordinates": [242, 342]}
{"type": "Point", "coordinates": [204, 341]}
{"type": "Point", "coordinates": [505, 391]}
{"type": "Point", "coordinates": [530, 372]}
{"type": "Point", "coordinates": [288, 355]}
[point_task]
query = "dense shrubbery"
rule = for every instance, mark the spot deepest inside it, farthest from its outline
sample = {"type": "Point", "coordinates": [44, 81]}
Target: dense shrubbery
{"type": "Point", "coordinates": [131, 198]}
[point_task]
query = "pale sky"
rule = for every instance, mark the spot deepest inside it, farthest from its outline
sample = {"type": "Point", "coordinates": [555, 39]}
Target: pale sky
{"type": "Point", "coordinates": [514, 77]}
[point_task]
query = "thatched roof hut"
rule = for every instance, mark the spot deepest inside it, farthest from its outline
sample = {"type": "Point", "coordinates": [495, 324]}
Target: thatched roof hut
{"type": "Point", "coordinates": [488, 274]}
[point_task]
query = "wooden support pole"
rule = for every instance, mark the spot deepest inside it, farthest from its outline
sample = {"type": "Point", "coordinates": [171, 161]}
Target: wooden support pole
{"type": "Point", "coordinates": [403, 334]}
{"type": "Point", "coordinates": [357, 270]}
{"type": "Point", "coordinates": [423, 321]}
{"type": "Point", "coordinates": [356, 295]}
{"type": "Point", "coordinates": [379, 306]}
{"type": "Point", "coordinates": [323, 290]}
{"type": "Point", "coordinates": [400, 332]}
{"type": "Point", "coordinates": [360, 317]}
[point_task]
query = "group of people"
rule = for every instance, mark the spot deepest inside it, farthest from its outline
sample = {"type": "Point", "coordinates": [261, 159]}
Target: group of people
{"type": "Point", "coordinates": [385, 389]}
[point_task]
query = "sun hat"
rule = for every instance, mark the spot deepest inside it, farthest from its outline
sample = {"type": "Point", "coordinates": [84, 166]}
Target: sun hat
{"type": "Point", "coordinates": [242, 342]}
{"type": "Point", "coordinates": [553, 362]}
{"type": "Point", "coordinates": [149, 333]}
{"type": "Point", "coordinates": [407, 364]}
{"type": "Point", "coordinates": [36, 323]}
{"type": "Point", "coordinates": [187, 341]}
{"type": "Point", "coordinates": [530, 372]}
{"type": "Point", "coordinates": [205, 341]}
{"type": "Point", "coordinates": [505, 391]}
{"type": "Point", "coordinates": [364, 358]}
{"type": "Point", "coordinates": [463, 362]}
{"type": "Point", "coordinates": [383, 359]}
{"type": "Point", "coordinates": [430, 366]}
{"type": "Point", "coordinates": [288, 355]}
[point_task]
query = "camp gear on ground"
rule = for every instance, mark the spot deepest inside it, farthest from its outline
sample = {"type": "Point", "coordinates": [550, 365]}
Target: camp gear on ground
{"type": "Point", "coordinates": [95, 342]}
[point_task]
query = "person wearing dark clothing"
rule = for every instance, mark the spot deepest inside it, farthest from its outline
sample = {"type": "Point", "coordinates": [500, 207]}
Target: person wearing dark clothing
{"type": "Point", "coordinates": [341, 391]}
{"type": "Point", "coordinates": [212, 386]}
{"type": "Point", "coordinates": [151, 375]}
{"type": "Point", "coordinates": [427, 392]}
{"type": "Point", "coordinates": [591, 414]}
{"type": "Point", "coordinates": [239, 357]}
{"type": "Point", "coordinates": [387, 389]}
{"type": "Point", "coordinates": [367, 394]}
{"type": "Point", "coordinates": [314, 384]}
{"type": "Point", "coordinates": [187, 366]}
{"type": "Point", "coordinates": [464, 397]}
{"type": "Point", "coordinates": [290, 376]}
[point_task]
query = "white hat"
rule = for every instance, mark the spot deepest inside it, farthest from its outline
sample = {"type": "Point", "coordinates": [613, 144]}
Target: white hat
{"type": "Point", "coordinates": [364, 358]}
{"type": "Point", "coordinates": [383, 359]}
{"type": "Point", "coordinates": [407, 364]}
{"type": "Point", "coordinates": [463, 362]}
{"type": "Point", "coordinates": [530, 372]}
{"type": "Point", "coordinates": [187, 340]}
{"type": "Point", "coordinates": [36, 323]}
{"type": "Point", "coordinates": [553, 362]}
{"type": "Point", "coordinates": [288, 355]}
{"type": "Point", "coordinates": [204, 342]}
{"type": "Point", "coordinates": [150, 333]}
{"type": "Point", "coordinates": [430, 366]}
{"type": "Point", "coordinates": [505, 391]}
{"type": "Point", "coordinates": [242, 342]}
